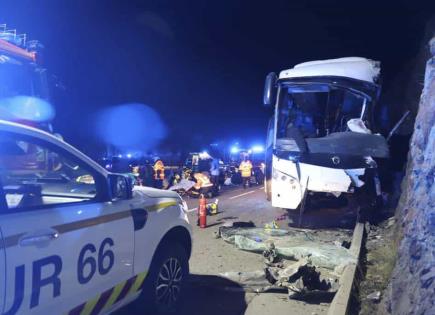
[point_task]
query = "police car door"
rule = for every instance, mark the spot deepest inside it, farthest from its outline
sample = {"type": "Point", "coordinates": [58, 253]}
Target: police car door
{"type": "Point", "coordinates": [66, 246]}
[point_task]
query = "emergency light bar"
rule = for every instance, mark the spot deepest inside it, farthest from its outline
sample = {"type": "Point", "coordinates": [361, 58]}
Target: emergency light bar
{"type": "Point", "coordinates": [10, 44]}
{"type": "Point", "coordinates": [10, 49]}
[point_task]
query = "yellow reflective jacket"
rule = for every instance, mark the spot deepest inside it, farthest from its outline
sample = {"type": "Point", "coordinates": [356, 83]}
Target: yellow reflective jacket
{"type": "Point", "coordinates": [246, 168]}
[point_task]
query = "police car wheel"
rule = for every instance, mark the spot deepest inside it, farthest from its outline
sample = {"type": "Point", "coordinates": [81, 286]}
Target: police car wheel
{"type": "Point", "coordinates": [167, 275]}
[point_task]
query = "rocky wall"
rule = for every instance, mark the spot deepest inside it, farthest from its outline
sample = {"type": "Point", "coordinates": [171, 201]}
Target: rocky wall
{"type": "Point", "coordinates": [412, 287]}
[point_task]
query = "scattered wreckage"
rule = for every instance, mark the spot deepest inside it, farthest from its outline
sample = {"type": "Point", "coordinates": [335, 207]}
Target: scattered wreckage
{"type": "Point", "coordinates": [303, 262]}
{"type": "Point", "coordinates": [322, 139]}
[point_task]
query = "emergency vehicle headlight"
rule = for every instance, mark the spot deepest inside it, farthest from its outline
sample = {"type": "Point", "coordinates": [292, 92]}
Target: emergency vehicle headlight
{"type": "Point", "coordinates": [275, 174]}
{"type": "Point", "coordinates": [282, 176]}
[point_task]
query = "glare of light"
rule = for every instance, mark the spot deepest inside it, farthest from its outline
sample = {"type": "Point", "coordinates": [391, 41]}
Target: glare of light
{"type": "Point", "coordinates": [26, 108]}
{"type": "Point", "coordinates": [129, 156]}
{"type": "Point", "coordinates": [110, 122]}
{"type": "Point", "coordinates": [257, 148]}
{"type": "Point", "coordinates": [120, 156]}
{"type": "Point", "coordinates": [235, 149]}
{"type": "Point", "coordinates": [204, 155]}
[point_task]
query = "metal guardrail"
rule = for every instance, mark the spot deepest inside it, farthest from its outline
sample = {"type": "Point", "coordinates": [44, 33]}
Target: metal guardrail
{"type": "Point", "coordinates": [341, 302]}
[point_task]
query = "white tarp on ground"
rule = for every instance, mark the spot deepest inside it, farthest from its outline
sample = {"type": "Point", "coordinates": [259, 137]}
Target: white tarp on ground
{"type": "Point", "coordinates": [350, 67]}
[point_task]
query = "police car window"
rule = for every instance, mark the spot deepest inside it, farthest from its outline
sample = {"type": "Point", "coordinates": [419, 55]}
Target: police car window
{"type": "Point", "coordinates": [34, 176]}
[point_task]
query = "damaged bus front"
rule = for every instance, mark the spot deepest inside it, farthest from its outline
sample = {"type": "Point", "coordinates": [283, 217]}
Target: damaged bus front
{"type": "Point", "coordinates": [321, 139]}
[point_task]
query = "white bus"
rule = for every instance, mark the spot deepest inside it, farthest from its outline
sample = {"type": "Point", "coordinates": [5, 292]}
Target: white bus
{"type": "Point", "coordinates": [322, 139]}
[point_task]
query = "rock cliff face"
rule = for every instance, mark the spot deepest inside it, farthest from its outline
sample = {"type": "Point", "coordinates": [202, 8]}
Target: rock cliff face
{"type": "Point", "coordinates": [412, 287]}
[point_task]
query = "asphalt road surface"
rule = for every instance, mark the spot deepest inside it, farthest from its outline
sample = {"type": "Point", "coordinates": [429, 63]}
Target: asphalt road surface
{"type": "Point", "coordinates": [207, 291]}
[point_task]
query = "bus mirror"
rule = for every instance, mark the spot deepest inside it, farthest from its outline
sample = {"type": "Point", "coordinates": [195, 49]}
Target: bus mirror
{"type": "Point", "coordinates": [270, 89]}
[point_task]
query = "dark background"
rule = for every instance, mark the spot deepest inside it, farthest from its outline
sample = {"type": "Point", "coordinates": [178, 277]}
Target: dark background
{"type": "Point", "coordinates": [201, 64]}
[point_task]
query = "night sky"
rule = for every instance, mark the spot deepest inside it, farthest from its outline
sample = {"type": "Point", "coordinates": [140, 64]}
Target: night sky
{"type": "Point", "coordinates": [201, 64]}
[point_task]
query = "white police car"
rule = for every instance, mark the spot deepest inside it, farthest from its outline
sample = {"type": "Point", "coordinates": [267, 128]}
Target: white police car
{"type": "Point", "coordinates": [75, 239]}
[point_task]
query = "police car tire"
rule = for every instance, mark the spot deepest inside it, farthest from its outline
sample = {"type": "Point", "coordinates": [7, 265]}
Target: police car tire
{"type": "Point", "coordinates": [167, 253]}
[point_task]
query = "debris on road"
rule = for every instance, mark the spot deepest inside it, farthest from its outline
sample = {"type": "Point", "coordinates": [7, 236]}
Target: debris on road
{"type": "Point", "coordinates": [375, 296]}
{"type": "Point", "coordinates": [212, 208]}
{"type": "Point", "coordinates": [271, 225]}
{"type": "Point", "coordinates": [250, 281]}
{"type": "Point", "coordinates": [183, 185]}
{"type": "Point", "coordinates": [297, 261]}
{"type": "Point", "coordinates": [269, 254]}
{"type": "Point", "coordinates": [293, 244]}
{"type": "Point", "coordinates": [298, 279]}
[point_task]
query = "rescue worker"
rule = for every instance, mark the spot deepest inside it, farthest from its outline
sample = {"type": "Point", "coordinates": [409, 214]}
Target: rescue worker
{"type": "Point", "coordinates": [245, 169]}
{"type": "Point", "coordinates": [159, 173]}
{"type": "Point", "coordinates": [147, 174]}
{"type": "Point", "coordinates": [135, 170]}
{"type": "Point", "coordinates": [214, 175]}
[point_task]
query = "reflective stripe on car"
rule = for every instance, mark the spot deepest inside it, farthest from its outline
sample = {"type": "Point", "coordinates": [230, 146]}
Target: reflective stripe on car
{"type": "Point", "coordinates": [105, 300]}
{"type": "Point", "coordinates": [13, 240]}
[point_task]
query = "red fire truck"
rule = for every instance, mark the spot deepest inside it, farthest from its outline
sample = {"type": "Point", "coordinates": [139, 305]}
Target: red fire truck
{"type": "Point", "coordinates": [24, 92]}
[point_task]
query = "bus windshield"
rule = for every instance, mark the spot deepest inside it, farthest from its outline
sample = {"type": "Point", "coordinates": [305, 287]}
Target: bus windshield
{"type": "Point", "coordinates": [316, 112]}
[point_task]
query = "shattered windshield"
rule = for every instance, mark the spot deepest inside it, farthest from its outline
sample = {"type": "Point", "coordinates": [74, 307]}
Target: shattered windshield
{"type": "Point", "coordinates": [317, 111]}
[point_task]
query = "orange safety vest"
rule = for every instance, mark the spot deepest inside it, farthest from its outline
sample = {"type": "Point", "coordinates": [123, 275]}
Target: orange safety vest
{"type": "Point", "coordinates": [159, 170]}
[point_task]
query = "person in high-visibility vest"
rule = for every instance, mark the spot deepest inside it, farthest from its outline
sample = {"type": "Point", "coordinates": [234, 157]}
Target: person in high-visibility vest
{"type": "Point", "coordinates": [245, 169]}
{"type": "Point", "coordinates": [159, 173]}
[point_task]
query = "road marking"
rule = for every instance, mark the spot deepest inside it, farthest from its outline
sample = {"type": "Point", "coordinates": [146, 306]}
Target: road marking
{"type": "Point", "coordinates": [241, 195]}
{"type": "Point", "coordinates": [233, 197]}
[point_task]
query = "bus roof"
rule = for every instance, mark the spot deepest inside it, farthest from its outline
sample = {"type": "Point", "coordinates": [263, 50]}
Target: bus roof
{"type": "Point", "coordinates": [350, 67]}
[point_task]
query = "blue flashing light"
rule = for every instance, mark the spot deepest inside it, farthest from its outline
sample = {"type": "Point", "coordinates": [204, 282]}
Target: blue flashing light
{"type": "Point", "coordinates": [235, 149]}
{"type": "Point", "coordinates": [129, 156]}
{"type": "Point", "coordinates": [27, 108]}
{"type": "Point", "coordinates": [257, 149]}
{"type": "Point", "coordinates": [138, 135]}
{"type": "Point", "coordinates": [120, 156]}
